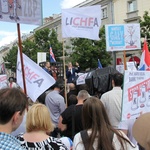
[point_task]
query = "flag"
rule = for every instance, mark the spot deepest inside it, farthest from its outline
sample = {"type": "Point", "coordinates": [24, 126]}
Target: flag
{"type": "Point", "coordinates": [52, 57]}
{"type": "Point", "coordinates": [37, 79]}
{"type": "Point", "coordinates": [83, 22]}
{"type": "Point", "coordinates": [145, 58]}
{"type": "Point", "coordinates": [99, 64]}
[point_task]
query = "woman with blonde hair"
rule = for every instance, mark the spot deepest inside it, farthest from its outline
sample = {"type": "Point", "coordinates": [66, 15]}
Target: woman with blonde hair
{"type": "Point", "coordinates": [38, 128]}
{"type": "Point", "coordinates": [98, 134]}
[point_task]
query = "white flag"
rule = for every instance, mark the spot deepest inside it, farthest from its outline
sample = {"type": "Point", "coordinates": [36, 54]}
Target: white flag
{"type": "Point", "coordinates": [81, 22]}
{"type": "Point", "coordinates": [37, 79]}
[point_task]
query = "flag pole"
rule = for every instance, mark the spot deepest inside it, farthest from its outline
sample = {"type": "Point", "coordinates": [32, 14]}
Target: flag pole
{"type": "Point", "coordinates": [65, 73]}
{"type": "Point", "coordinates": [124, 57]}
{"type": "Point", "coordinates": [21, 57]}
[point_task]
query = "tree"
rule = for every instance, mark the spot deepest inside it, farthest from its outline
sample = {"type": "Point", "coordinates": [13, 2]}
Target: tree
{"type": "Point", "coordinates": [87, 52]}
{"type": "Point", "coordinates": [43, 39]}
{"type": "Point", "coordinates": [56, 45]}
{"type": "Point", "coordinates": [145, 26]}
{"type": "Point", "coordinates": [11, 58]}
{"type": "Point", "coordinates": [46, 38]}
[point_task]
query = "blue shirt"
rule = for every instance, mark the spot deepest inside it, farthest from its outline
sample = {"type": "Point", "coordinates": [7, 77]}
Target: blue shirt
{"type": "Point", "coordinates": [9, 142]}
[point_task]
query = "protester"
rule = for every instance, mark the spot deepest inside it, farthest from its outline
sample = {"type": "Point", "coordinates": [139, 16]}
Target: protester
{"type": "Point", "coordinates": [47, 68]}
{"type": "Point", "coordinates": [72, 90]}
{"type": "Point", "coordinates": [56, 104]}
{"type": "Point", "coordinates": [12, 108]}
{"type": "Point", "coordinates": [54, 71]}
{"type": "Point", "coordinates": [70, 72]}
{"type": "Point", "coordinates": [11, 83]}
{"type": "Point", "coordinates": [72, 100]}
{"type": "Point", "coordinates": [38, 128]}
{"type": "Point", "coordinates": [70, 120]}
{"type": "Point", "coordinates": [112, 100]}
{"type": "Point", "coordinates": [98, 133]}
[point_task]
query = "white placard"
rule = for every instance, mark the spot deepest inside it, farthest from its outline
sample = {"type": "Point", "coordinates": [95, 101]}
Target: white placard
{"type": "Point", "coordinates": [3, 81]}
{"type": "Point", "coordinates": [41, 57]}
{"type": "Point", "coordinates": [120, 68]}
{"type": "Point", "coordinates": [136, 94]}
{"type": "Point", "coordinates": [131, 66]}
{"type": "Point", "coordinates": [81, 79]}
{"type": "Point", "coordinates": [121, 37]}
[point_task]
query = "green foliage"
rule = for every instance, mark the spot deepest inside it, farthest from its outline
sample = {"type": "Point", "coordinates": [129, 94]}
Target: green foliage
{"type": "Point", "coordinates": [56, 45]}
{"type": "Point", "coordinates": [145, 26]}
{"type": "Point", "coordinates": [43, 39]}
{"type": "Point", "coordinates": [11, 58]}
{"type": "Point", "coordinates": [87, 52]}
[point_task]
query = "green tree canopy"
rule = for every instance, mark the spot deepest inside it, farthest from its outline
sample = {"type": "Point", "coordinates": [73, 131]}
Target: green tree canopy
{"type": "Point", "coordinates": [87, 52]}
{"type": "Point", "coordinates": [43, 39]}
{"type": "Point", "coordinates": [145, 26]}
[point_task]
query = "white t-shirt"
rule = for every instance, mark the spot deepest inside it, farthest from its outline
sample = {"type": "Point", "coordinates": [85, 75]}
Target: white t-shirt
{"type": "Point", "coordinates": [127, 125]}
{"type": "Point", "coordinates": [78, 144]}
{"type": "Point", "coordinates": [112, 101]}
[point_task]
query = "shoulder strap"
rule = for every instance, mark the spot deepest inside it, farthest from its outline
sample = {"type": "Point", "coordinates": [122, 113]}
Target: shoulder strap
{"type": "Point", "coordinates": [111, 136]}
{"type": "Point", "coordinates": [84, 136]}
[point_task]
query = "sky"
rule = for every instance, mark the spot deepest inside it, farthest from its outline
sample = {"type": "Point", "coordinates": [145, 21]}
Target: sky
{"type": "Point", "coordinates": [8, 31]}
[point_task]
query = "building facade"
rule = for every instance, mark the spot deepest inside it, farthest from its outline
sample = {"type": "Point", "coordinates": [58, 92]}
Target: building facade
{"type": "Point", "coordinates": [129, 11]}
{"type": "Point", "coordinates": [113, 12]}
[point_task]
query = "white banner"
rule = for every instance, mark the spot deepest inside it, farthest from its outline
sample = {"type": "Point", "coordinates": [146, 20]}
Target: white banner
{"type": "Point", "coordinates": [41, 57]}
{"type": "Point", "coordinates": [37, 79]}
{"type": "Point", "coordinates": [3, 81]}
{"type": "Point", "coordinates": [136, 94]}
{"type": "Point", "coordinates": [81, 22]}
{"type": "Point", "coordinates": [122, 37]}
{"type": "Point", "coordinates": [21, 11]}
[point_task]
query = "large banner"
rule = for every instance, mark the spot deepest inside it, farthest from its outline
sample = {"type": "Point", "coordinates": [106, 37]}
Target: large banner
{"type": "Point", "coordinates": [3, 81]}
{"type": "Point", "coordinates": [81, 22]}
{"type": "Point", "coordinates": [21, 11]}
{"type": "Point", "coordinates": [136, 94]}
{"type": "Point", "coordinates": [37, 79]}
{"type": "Point", "coordinates": [122, 37]}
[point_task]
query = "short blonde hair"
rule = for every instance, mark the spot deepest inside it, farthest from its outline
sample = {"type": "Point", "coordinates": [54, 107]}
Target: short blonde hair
{"type": "Point", "coordinates": [38, 118]}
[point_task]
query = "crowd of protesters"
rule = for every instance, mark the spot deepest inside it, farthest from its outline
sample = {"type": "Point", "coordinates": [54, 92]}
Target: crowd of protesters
{"type": "Point", "coordinates": [73, 120]}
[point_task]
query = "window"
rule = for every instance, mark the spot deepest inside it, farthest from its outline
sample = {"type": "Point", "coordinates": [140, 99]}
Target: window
{"type": "Point", "coordinates": [132, 5]}
{"type": "Point", "coordinates": [104, 12]}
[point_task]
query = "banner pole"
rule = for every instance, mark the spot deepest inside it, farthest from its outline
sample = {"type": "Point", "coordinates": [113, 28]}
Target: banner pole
{"type": "Point", "coordinates": [21, 57]}
{"type": "Point", "coordinates": [65, 73]}
{"type": "Point", "coordinates": [124, 57]}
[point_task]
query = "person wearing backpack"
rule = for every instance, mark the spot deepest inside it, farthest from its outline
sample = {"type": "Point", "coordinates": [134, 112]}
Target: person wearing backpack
{"type": "Point", "coordinates": [98, 134]}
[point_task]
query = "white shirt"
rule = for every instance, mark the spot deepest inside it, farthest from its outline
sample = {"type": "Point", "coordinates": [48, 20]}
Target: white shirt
{"type": "Point", "coordinates": [78, 144]}
{"type": "Point", "coordinates": [112, 101]}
